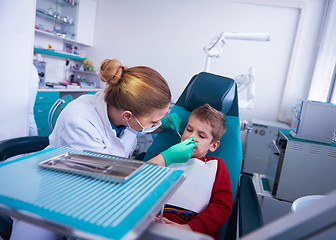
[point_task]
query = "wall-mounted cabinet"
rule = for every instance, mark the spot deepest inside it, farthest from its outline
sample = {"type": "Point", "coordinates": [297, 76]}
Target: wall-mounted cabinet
{"type": "Point", "coordinates": [57, 17]}
{"type": "Point", "coordinates": [77, 70]}
{"type": "Point", "coordinates": [86, 22]}
{"type": "Point", "coordinates": [72, 20]}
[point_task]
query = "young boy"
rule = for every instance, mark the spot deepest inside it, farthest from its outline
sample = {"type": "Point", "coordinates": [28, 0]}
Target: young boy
{"type": "Point", "coordinates": [203, 202]}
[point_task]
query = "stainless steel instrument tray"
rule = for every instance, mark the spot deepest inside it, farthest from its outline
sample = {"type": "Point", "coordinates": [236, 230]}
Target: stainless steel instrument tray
{"type": "Point", "coordinates": [112, 168]}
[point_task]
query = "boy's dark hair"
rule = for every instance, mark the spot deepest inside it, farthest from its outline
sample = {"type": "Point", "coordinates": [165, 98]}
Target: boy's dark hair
{"type": "Point", "coordinates": [215, 118]}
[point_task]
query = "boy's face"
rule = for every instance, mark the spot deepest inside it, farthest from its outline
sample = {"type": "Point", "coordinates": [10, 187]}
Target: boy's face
{"type": "Point", "coordinates": [201, 131]}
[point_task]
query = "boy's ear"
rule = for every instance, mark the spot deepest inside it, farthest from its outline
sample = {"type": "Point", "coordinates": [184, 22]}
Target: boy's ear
{"type": "Point", "coordinates": [214, 146]}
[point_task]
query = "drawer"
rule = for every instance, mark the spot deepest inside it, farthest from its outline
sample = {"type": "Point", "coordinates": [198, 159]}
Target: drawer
{"type": "Point", "coordinates": [43, 127]}
{"type": "Point", "coordinates": [47, 97]}
{"type": "Point", "coordinates": [41, 110]}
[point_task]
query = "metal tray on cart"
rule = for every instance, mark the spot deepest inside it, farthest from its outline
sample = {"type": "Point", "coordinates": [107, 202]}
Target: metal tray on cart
{"type": "Point", "coordinates": [111, 168]}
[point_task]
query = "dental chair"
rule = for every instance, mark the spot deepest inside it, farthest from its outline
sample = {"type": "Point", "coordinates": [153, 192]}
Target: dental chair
{"type": "Point", "coordinates": [221, 93]}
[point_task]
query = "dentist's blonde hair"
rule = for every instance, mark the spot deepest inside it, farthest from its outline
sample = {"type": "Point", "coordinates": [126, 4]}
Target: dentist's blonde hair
{"type": "Point", "coordinates": [137, 89]}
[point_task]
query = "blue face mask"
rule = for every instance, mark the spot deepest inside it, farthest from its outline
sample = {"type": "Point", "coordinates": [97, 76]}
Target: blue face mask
{"type": "Point", "coordinates": [144, 129]}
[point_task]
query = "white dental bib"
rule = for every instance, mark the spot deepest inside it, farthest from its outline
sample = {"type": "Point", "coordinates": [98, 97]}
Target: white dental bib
{"type": "Point", "coordinates": [195, 192]}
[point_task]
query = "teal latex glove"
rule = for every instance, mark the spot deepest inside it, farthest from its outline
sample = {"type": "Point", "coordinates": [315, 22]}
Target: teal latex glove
{"type": "Point", "coordinates": [173, 123]}
{"type": "Point", "coordinates": [179, 153]}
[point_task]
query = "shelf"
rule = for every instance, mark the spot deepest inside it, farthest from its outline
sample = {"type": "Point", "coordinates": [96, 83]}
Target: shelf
{"type": "Point", "coordinates": [45, 89]}
{"type": "Point", "coordinates": [57, 18]}
{"type": "Point", "coordinates": [84, 72]}
{"type": "Point", "coordinates": [64, 3]}
{"type": "Point", "coordinates": [56, 35]}
{"type": "Point", "coordinates": [58, 54]}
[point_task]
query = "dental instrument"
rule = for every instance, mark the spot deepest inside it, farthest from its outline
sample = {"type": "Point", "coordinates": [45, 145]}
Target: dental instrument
{"type": "Point", "coordinates": [161, 214]}
{"type": "Point", "coordinates": [178, 133]}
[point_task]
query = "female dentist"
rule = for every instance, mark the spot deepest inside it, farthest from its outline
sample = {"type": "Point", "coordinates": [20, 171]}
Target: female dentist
{"type": "Point", "coordinates": [134, 101]}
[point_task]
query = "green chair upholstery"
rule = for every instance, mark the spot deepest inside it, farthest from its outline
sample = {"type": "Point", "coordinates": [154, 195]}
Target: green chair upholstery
{"type": "Point", "coordinates": [221, 93]}
{"type": "Point", "coordinates": [250, 217]}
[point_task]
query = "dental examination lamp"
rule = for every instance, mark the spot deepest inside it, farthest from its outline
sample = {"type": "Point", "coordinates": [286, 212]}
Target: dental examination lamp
{"type": "Point", "coordinates": [215, 47]}
{"type": "Point", "coordinates": [246, 81]}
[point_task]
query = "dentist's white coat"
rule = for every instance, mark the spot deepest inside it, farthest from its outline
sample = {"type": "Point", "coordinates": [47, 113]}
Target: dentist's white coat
{"type": "Point", "coordinates": [84, 125]}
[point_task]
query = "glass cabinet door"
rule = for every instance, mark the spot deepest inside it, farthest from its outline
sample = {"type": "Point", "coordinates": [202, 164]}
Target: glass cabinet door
{"type": "Point", "coordinates": [57, 17]}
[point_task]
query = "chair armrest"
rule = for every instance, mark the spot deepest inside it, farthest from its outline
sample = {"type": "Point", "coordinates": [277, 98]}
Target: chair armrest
{"type": "Point", "coordinates": [250, 217]}
{"type": "Point", "coordinates": [5, 226]}
{"type": "Point", "coordinates": [16, 146]}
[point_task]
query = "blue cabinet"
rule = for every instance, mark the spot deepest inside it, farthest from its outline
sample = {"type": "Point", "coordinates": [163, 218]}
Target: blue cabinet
{"type": "Point", "coordinates": [43, 104]}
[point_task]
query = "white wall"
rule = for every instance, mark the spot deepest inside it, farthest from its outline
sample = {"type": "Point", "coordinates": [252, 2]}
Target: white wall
{"type": "Point", "coordinates": [170, 35]}
{"type": "Point", "coordinates": [16, 47]}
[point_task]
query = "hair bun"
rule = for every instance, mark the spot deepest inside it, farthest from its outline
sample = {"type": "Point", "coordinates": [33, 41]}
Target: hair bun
{"type": "Point", "coordinates": [111, 71]}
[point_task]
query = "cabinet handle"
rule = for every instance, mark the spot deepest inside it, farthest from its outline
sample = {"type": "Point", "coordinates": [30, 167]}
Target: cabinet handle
{"type": "Point", "coordinates": [40, 111]}
{"type": "Point", "coordinates": [42, 98]}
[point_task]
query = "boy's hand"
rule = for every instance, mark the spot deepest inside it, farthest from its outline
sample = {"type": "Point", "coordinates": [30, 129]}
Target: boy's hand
{"type": "Point", "coordinates": [179, 153]}
{"type": "Point", "coordinates": [163, 220]}
{"type": "Point", "coordinates": [171, 223]}
{"type": "Point", "coordinates": [173, 123]}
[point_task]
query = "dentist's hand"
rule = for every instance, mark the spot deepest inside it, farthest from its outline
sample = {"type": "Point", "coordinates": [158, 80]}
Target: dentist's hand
{"type": "Point", "coordinates": [173, 123]}
{"type": "Point", "coordinates": [179, 153]}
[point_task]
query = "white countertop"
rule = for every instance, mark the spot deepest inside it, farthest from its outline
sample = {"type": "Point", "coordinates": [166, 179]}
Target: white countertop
{"type": "Point", "coordinates": [68, 89]}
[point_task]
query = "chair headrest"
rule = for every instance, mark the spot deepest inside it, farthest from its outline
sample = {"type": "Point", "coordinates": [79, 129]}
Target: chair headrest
{"type": "Point", "coordinates": [218, 91]}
